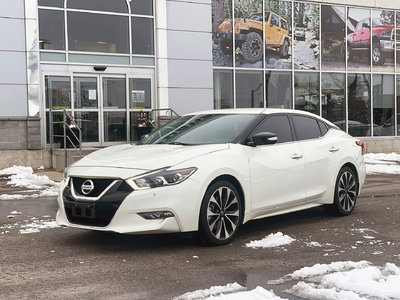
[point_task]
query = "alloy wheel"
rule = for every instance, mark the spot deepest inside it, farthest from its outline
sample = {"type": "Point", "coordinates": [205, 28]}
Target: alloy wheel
{"type": "Point", "coordinates": [255, 48]}
{"type": "Point", "coordinates": [223, 213]}
{"type": "Point", "coordinates": [347, 193]}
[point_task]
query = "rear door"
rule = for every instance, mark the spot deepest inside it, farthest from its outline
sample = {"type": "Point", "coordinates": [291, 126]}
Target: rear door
{"type": "Point", "coordinates": [319, 155]}
{"type": "Point", "coordinates": [276, 171]}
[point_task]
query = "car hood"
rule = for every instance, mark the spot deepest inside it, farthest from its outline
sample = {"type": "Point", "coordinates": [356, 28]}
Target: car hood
{"type": "Point", "coordinates": [145, 157]}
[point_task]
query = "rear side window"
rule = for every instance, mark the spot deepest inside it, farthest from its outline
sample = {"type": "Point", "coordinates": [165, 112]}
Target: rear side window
{"type": "Point", "coordinates": [276, 124]}
{"type": "Point", "coordinates": [323, 127]}
{"type": "Point", "coordinates": [306, 128]}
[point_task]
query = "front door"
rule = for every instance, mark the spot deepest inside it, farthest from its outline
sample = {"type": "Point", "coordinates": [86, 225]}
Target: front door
{"type": "Point", "coordinates": [109, 108]}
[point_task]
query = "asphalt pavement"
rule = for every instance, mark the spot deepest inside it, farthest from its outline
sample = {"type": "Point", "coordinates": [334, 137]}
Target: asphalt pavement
{"type": "Point", "coordinates": [67, 263]}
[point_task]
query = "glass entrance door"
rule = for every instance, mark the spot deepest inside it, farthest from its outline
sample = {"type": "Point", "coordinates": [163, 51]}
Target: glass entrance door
{"type": "Point", "coordinates": [109, 109]}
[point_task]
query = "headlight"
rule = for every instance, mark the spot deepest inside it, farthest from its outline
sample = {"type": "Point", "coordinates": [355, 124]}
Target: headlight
{"type": "Point", "coordinates": [160, 178]}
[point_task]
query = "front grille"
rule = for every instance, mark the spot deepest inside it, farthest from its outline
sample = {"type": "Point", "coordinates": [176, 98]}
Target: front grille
{"type": "Point", "coordinates": [99, 186]}
{"type": "Point", "coordinates": [95, 213]}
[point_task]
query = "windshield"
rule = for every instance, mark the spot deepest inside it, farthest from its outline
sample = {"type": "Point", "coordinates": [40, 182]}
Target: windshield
{"type": "Point", "coordinates": [256, 17]}
{"type": "Point", "coordinates": [376, 22]}
{"type": "Point", "coordinates": [201, 129]}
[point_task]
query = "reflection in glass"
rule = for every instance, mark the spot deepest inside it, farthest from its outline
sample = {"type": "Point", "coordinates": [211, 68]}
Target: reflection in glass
{"type": "Point", "coordinates": [140, 125]}
{"type": "Point", "coordinates": [57, 119]}
{"type": "Point", "coordinates": [248, 33]}
{"type": "Point", "coordinates": [358, 39]}
{"type": "Point", "coordinates": [141, 7]}
{"type": "Point", "coordinates": [114, 95]}
{"type": "Point", "coordinates": [398, 105]}
{"type": "Point", "coordinates": [93, 33]}
{"type": "Point", "coordinates": [334, 98]}
{"type": "Point", "coordinates": [142, 36]}
{"type": "Point", "coordinates": [140, 93]}
{"type": "Point", "coordinates": [306, 91]}
{"type": "Point", "coordinates": [118, 6]}
{"type": "Point", "coordinates": [383, 105]}
{"type": "Point", "coordinates": [398, 40]}
{"type": "Point", "coordinates": [222, 47]}
{"type": "Point", "coordinates": [333, 37]}
{"type": "Point", "coordinates": [278, 89]}
{"type": "Point", "coordinates": [383, 40]}
{"type": "Point", "coordinates": [249, 89]}
{"type": "Point", "coordinates": [306, 36]}
{"type": "Point", "coordinates": [85, 92]}
{"type": "Point", "coordinates": [58, 92]}
{"type": "Point", "coordinates": [277, 28]}
{"type": "Point", "coordinates": [51, 29]}
{"type": "Point", "coordinates": [89, 124]}
{"type": "Point", "coordinates": [52, 3]}
{"type": "Point", "coordinates": [114, 126]}
{"type": "Point", "coordinates": [359, 104]}
{"type": "Point", "coordinates": [223, 89]}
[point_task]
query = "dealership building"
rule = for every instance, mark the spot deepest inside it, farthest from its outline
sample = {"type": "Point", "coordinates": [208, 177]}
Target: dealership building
{"type": "Point", "coordinates": [109, 63]}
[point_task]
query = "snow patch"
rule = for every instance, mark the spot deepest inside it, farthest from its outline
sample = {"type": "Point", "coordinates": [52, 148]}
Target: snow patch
{"type": "Point", "coordinates": [36, 225]}
{"type": "Point", "coordinates": [382, 163]}
{"type": "Point", "coordinates": [20, 176]}
{"type": "Point", "coordinates": [231, 291]}
{"type": "Point", "coordinates": [271, 240]}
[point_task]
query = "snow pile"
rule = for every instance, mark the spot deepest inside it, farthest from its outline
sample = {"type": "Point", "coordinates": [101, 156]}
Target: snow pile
{"type": "Point", "coordinates": [362, 282]}
{"type": "Point", "coordinates": [382, 163]}
{"type": "Point", "coordinates": [272, 240]}
{"type": "Point", "coordinates": [232, 291]}
{"type": "Point", "coordinates": [36, 225]}
{"type": "Point", "coordinates": [24, 177]}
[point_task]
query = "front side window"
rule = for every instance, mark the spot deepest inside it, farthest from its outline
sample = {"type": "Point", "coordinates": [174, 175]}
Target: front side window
{"type": "Point", "coordinates": [279, 125]}
{"type": "Point", "coordinates": [275, 20]}
{"type": "Point", "coordinates": [306, 128]}
{"type": "Point", "coordinates": [201, 129]}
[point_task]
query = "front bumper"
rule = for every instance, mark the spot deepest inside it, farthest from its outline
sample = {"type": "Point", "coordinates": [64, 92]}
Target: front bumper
{"type": "Point", "coordinates": [181, 200]}
{"type": "Point", "coordinates": [387, 45]}
{"type": "Point", "coordinates": [226, 37]}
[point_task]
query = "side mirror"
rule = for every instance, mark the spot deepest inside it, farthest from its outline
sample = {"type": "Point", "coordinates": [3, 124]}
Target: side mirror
{"type": "Point", "coordinates": [264, 138]}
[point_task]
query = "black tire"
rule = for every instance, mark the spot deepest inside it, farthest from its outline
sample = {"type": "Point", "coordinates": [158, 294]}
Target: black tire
{"type": "Point", "coordinates": [284, 49]}
{"type": "Point", "coordinates": [218, 225]}
{"type": "Point", "coordinates": [346, 192]}
{"type": "Point", "coordinates": [377, 55]}
{"type": "Point", "coordinates": [252, 49]}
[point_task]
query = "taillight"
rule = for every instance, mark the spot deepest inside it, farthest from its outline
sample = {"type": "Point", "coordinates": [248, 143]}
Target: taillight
{"type": "Point", "coordinates": [361, 144]}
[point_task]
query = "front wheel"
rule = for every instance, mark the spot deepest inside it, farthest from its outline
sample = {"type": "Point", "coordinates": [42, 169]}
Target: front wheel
{"type": "Point", "coordinates": [252, 50]}
{"type": "Point", "coordinates": [377, 55]}
{"type": "Point", "coordinates": [346, 190]}
{"type": "Point", "coordinates": [221, 213]}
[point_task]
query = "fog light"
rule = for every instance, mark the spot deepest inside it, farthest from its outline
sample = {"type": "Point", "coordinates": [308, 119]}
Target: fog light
{"type": "Point", "coordinates": [153, 215]}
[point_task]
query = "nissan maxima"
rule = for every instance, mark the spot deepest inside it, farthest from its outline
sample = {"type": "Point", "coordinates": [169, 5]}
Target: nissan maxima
{"type": "Point", "coordinates": [212, 172]}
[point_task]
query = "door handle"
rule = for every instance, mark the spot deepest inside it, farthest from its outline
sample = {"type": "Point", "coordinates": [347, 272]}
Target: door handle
{"type": "Point", "coordinates": [334, 149]}
{"type": "Point", "coordinates": [296, 156]}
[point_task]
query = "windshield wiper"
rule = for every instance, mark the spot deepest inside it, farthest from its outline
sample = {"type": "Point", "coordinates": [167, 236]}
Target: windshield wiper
{"type": "Point", "coordinates": [179, 143]}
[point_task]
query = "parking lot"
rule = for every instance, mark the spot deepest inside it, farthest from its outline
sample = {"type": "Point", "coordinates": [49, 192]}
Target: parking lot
{"type": "Point", "coordinates": [40, 261]}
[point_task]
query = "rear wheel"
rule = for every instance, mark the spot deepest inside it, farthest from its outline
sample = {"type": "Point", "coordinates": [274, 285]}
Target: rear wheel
{"type": "Point", "coordinates": [252, 47]}
{"type": "Point", "coordinates": [221, 213]}
{"type": "Point", "coordinates": [346, 189]}
{"type": "Point", "coordinates": [284, 49]}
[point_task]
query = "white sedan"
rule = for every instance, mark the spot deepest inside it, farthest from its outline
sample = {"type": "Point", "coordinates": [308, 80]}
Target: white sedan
{"type": "Point", "coordinates": [212, 172]}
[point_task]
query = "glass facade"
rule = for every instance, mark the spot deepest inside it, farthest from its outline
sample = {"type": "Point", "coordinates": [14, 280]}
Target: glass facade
{"type": "Point", "coordinates": [335, 61]}
{"type": "Point", "coordinates": [117, 32]}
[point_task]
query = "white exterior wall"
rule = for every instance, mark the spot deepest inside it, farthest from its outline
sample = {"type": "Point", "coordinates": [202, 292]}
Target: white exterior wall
{"type": "Point", "coordinates": [13, 80]}
{"type": "Point", "coordinates": [184, 55]}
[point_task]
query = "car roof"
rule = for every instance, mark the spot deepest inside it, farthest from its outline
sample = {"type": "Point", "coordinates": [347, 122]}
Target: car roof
{"type": "Point", "coordinates": [259, 111]}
